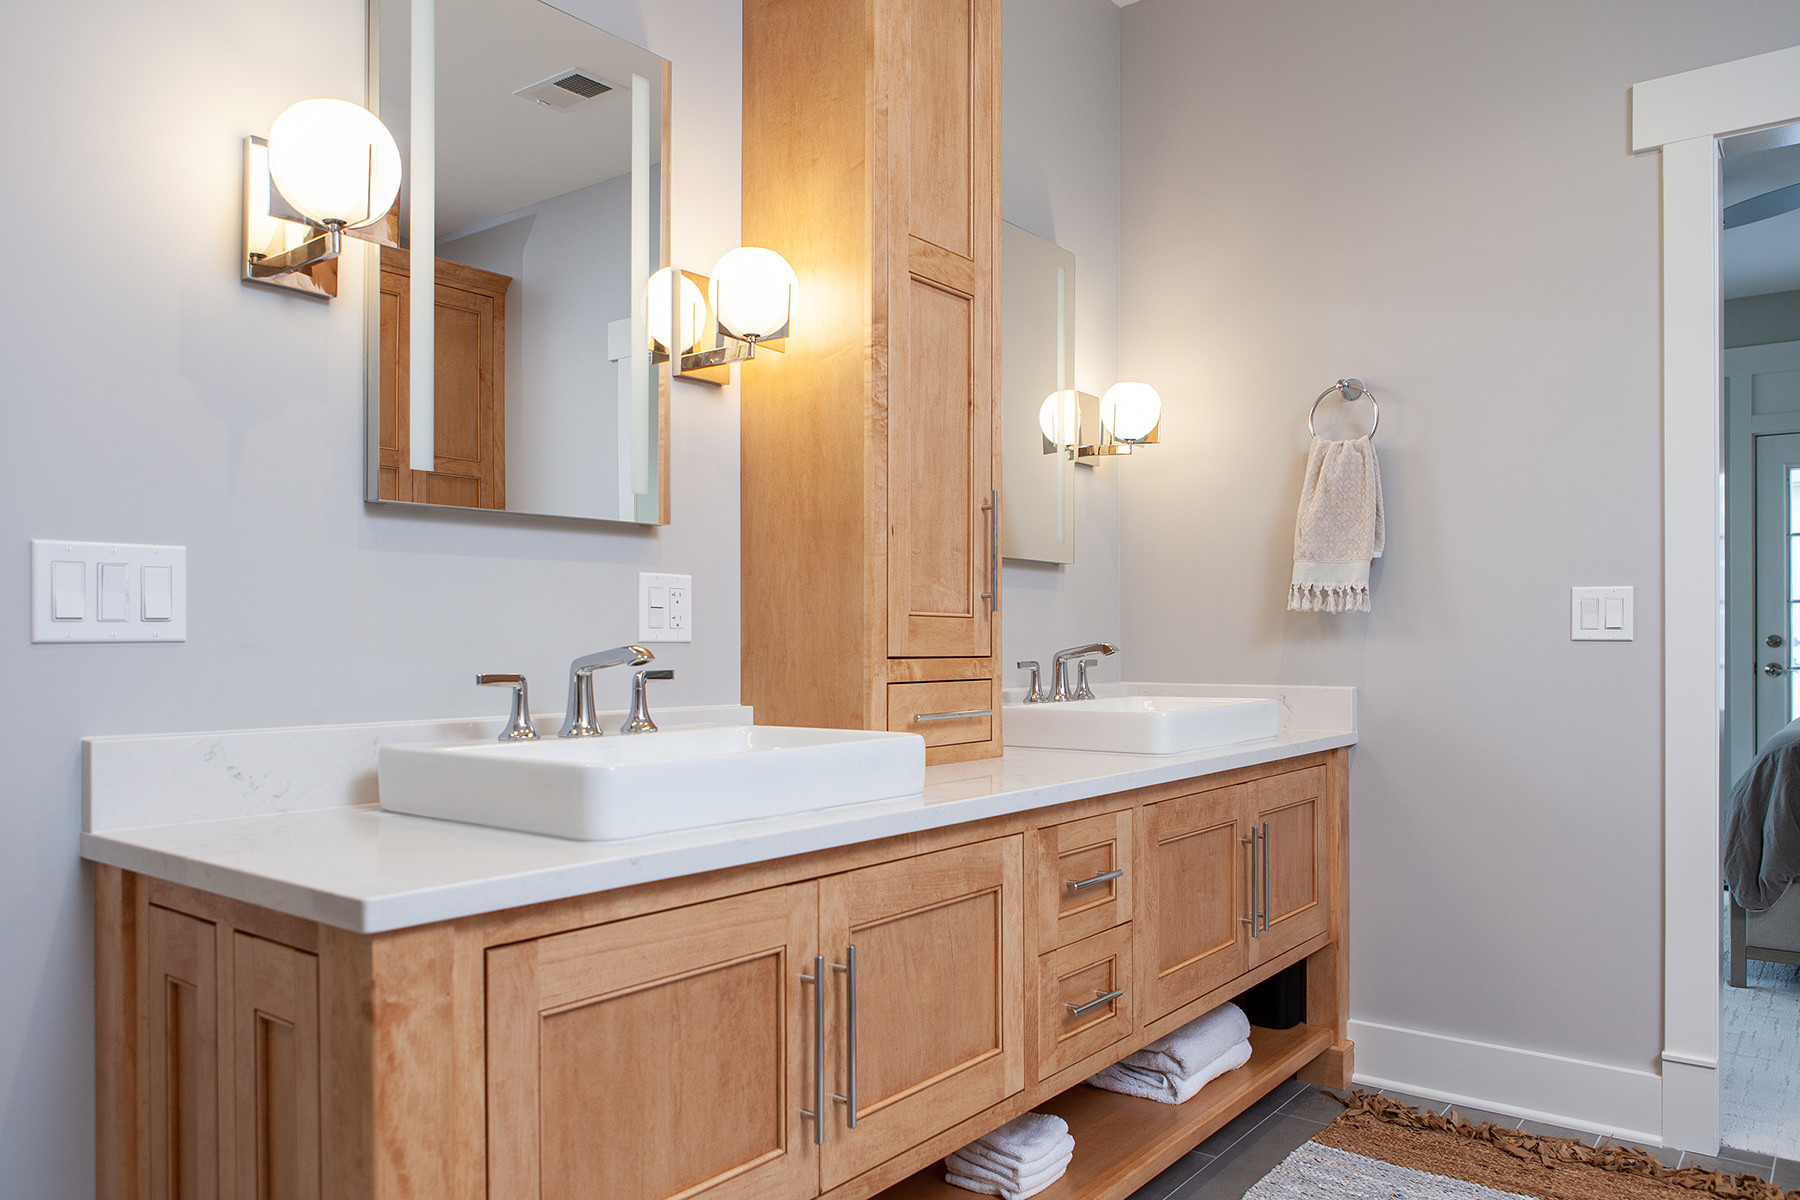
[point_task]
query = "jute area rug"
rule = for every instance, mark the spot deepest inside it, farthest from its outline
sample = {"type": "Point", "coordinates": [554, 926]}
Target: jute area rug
{"type": "Point", "coordinates": [1382, 1150]}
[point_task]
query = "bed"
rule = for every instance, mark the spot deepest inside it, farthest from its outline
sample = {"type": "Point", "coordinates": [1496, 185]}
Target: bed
{"type": "Point", "coordinates": [1762, 857]}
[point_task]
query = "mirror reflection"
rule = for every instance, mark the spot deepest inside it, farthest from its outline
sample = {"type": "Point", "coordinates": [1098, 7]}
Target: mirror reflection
{"type": "Point", "coordinates": [538, 178]}
{"type": "Point", "coordinates": [1039, 406]}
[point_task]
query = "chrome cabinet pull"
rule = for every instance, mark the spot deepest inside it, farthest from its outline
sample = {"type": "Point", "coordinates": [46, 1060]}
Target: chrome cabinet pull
{"type": "Point", "coordinates": [1265, 877]}
{"type": "Point", "coordinates": [954, 716]}
{"type": "Point", "coordinates": [1251, 919]}
{"type": "Point", "coordinates": [1075, 885]}
{"type": "Point", "coordinates": [848, 967]}
{"type": "Point", "coordinates": [1075, 1010]}
{"type": "Point", "coordinates": [817, 979]}
{"type": "Point", "coordinates": [992, 595]}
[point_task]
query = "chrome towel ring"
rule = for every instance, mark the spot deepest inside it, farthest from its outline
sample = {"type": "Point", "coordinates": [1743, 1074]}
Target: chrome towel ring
{"type": "Point", "coordinates": [1353, 390]}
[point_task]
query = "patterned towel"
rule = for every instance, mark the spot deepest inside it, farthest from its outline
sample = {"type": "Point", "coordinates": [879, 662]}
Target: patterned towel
{"type": "Point", "coordinates": [1340, 528]}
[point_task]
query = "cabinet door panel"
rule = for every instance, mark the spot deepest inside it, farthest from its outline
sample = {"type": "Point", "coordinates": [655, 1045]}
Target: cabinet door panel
{"type": "Point", "coordinates": [1293, 806]}
{"type": "Point", "coordinates": [940, 980]}
{"type": "Point", "coordinates": [275, 1053]}
{"type": "Point", "coordinates": [183, 1003]}
{"type": "Point", "coordinates": [1076, 976]}
{"type": "Point", "coordinates": [942, 134]}
{"type": "Point", "coordinates": [1197, 891]}
{"type": "Point", "coordinates": [1074, 852]}
{"type": "Point", "coordinates": [663, 1056]}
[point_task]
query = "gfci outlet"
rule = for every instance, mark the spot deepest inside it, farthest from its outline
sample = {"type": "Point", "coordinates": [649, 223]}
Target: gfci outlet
{"type": "Point", "coordinates": [665, 608]}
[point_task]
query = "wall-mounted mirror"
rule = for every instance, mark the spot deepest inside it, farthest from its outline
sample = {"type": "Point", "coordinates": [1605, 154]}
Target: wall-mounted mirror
{"type": "Point", "coordinates": [536, 151]}
{"type": "Point", "coordinates": [1038, 403]}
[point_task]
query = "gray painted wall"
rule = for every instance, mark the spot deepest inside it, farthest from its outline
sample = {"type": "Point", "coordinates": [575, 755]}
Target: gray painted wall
{"type": "Point", "coordinates": [1437, 198]}
{"type": "Point", "coordinates": [150, 396]}
{"type": "Point", "coordinates": [1759, 320]}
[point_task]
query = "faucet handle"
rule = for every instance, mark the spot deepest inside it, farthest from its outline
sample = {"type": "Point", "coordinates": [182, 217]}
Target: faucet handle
{"type": "Point", "coordinates": [638, 721]}
{"type": "Point", "coordinates": [1036, 694]}
{"type": "Point", "coordinates": [1082, 690]}
{"type": "Point", "coordinates": [518, 726]}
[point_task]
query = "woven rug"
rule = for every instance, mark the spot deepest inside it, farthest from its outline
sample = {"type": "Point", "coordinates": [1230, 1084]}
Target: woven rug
{"type": "Point", "coordinates": [1382, 1150]}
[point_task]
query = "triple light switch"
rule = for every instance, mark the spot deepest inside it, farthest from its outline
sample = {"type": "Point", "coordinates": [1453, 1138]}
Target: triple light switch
{"type": "Point", "coordinates": [108, 592]}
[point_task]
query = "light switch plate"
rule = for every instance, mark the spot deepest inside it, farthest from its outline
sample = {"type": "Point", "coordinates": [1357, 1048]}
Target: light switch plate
{"type": "Point", "coordinates": [112, 607]}
{"type": "Point", "coordinates": [1600, 614]}
{"type": "Point", "coordinates": [665, 607]}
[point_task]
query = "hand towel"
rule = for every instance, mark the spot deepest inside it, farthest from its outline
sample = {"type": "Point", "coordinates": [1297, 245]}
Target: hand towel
{"type": "Point", "coordinates": [1165, 1088]}
{"type": "Point", "coordinates": [989, 1185]}
{"type": "Point", "coordinates": [1195, 1045]}
{"type": "Point", "coordinates": [978, 1155]}
{"type": "Point", "coordinates": [1026, 1139]}
{"type": "Point", "coordinates": [1340, 528]}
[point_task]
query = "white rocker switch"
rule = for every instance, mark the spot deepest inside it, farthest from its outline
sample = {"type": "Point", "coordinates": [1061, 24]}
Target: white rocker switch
{"type": "Point", "coordinates": [158, 592]}
{"type": "Point", "coordinates": [115, 591]}
{"type": "Point", "coordinates": [1600, 614]}
{"type": "Point", "coordinates": [68, 591]}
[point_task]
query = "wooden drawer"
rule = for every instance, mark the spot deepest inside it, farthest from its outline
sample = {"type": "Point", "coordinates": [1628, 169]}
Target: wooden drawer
{"type": "Point", "coordinates": [1072, 853]}
{"type": "Point", "coordinates": [1076, 976]}
{"type": "Point", "coordinates": [921, 707]}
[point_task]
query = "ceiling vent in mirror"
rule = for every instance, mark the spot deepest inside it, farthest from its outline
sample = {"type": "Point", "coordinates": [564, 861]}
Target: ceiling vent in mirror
{"type": "Point", "coordinates": [565, 89]}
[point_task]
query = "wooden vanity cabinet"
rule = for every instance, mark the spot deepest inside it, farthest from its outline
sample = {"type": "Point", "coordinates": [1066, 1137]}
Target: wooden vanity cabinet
{"type": "Point", "coordinates": [666, 1041]}
{"type": "Point", "coordinates": [871, 448]}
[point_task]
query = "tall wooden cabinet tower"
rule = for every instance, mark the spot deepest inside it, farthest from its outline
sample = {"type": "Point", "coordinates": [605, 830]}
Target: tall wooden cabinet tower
{"type": "Point", "coordinates": [871, 448]}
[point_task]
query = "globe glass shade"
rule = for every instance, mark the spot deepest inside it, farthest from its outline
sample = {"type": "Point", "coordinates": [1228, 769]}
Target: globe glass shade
{"type": "Point", "coordinates": [1058, 421]}
{"type": "Point", "coordinates": [693, 311]}
{"type": "Point", "coordinates": [753, 292]}
{"type": "Point", "coordinates": [335, 162]}
{"type": "Point", "coordinates": [1129, 411]}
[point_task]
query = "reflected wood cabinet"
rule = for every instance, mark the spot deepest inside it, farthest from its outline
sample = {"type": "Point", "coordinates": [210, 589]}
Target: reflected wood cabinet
{"type": "Point", "coordinates": [683, 1038]}
{"type": "Point", "coordinates": [870, 449]}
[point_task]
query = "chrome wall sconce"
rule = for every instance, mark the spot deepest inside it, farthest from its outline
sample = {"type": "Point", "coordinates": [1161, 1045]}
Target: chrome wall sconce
{"type": "Point", "coordinates": [328, 168]}
{"type": "Point", "coordinates": [1127, 416]}
{"type": "Point", "coordinates": [747, 302]}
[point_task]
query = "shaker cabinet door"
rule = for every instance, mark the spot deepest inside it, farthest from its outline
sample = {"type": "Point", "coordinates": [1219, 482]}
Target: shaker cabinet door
{"type": "Point", "coordinates": [666, 1055]}
{"type": "Point", "coordinates": [925, 1024]}
{"type": "Point", "coordinates": [1195, 897]}
{"type": "Point", "coordinates": [1293, 811]}
{"type": "Point", "coordinates": [182, 1005]}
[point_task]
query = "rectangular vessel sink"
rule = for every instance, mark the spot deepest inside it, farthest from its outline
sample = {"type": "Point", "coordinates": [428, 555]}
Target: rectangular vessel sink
{"type": "Point", "coordinates": [629, 786]}
{"type": "Point", "coordinates": [1141, 724]}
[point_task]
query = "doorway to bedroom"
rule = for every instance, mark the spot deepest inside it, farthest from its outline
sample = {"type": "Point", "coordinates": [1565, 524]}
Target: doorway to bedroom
{"type": "Point", "coordinates": [1759, 1031]}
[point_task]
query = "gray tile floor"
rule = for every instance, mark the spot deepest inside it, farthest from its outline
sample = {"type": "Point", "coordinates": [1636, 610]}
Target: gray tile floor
{"type": "Point", "coordinates": [1224, 1166]}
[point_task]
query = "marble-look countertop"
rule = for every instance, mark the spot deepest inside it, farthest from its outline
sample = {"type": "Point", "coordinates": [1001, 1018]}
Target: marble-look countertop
{"type": "Point", "coordinates": [347, 863]}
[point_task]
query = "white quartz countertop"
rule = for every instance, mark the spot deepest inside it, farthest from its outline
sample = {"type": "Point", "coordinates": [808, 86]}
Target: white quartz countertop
{"type": "Point", "coordinates": [355, 866]}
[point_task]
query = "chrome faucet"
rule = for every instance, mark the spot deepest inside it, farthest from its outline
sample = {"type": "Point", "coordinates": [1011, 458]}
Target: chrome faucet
{"type": "Point", "coordinates": [580, 719]}
{"type": "Point", "coordinates": [518, 727]}
{"type": "Point", "coordinates": [1060, 661]}
{"type": "Point", "coordinates": [1035, 694]}
{"type": "Point", "coordinates": [1082, 690]}
{"type": "Point", "coordinates": [639, 720]}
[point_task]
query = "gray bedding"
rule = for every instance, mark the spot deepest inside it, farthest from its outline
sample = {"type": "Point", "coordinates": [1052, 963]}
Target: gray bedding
{"type": "Point", "coordinates": [1762, 837]}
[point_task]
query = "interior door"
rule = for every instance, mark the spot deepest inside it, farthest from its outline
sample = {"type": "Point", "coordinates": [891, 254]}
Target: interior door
{"type": "Point", "coordinates": [925, 1023]}
{"type": "Point", "coordinates": [1777, 588]}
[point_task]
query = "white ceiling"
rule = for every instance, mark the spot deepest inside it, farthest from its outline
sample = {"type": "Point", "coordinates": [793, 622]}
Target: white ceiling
{"type": "Point", "coordinates": [497, 152]}
{"type": "Point", "coordinates": [1763, 257]}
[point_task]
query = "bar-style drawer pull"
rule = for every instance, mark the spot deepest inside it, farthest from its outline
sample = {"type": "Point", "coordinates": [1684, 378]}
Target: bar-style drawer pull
{"type": "Point", "coordinates": [1075, 885]}
{"type": "Point", "coordinates": [1076, 1010]}
{"type": "Point", "coordinates": [954, 716]}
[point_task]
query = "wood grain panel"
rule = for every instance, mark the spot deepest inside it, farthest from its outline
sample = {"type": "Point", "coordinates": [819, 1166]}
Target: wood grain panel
{"type": "Point", "coordinates": [275, 1052]}
{"type": "Point", "coordinates": [183, 1011]}
{"type": "Point", "coordinates": [658, 1057]}
{"type": "Point", "coordinates": [1293, 806]}
{"type": "Point", "coordinates": [1075, 975]}
{"type": "Point", "coordinates": [941, 559]}
{"type": "Point", "coordinates": [941, 105]}
{"type": "Point", "coordinates": [1196, 891]}
{"type": "Point", "coordinates": [909, 701]}
{"type": "Point", "coordinates": [940, 961]}
{"type": "Point", "coordinates": [1074, 851]}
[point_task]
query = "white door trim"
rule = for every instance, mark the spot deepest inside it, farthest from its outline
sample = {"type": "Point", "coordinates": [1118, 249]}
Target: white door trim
{"type": "Point", "coordinates": [1684, 116]}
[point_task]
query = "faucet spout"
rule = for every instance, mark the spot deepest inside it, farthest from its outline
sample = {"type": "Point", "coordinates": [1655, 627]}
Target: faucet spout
{"type": "Point", "coordinates": [580, 720]}
{"type": "Point", "coordinates": [1060, 661]}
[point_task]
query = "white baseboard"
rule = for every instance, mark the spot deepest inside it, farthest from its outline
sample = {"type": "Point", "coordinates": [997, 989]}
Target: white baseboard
{"type": "Point", "coordinates": [1527, 1084]}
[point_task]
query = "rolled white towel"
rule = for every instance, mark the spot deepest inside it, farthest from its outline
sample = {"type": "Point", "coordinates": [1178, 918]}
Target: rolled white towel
{"type": "Point", "coordinates": [1027, 1138]}
{"type": "Point", "coordinates": [959, 1173]}
{"type": "Point", "coordinates": [1164, 1088]}
{"type": "Point", "coordinates": [1196, 1045]}
{"type": "Point", "coordinates": [977, 1155]}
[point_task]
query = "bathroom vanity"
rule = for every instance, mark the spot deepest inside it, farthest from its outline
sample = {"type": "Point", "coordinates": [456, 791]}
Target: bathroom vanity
{"type": "Point", "coordinates": [336, 1001]}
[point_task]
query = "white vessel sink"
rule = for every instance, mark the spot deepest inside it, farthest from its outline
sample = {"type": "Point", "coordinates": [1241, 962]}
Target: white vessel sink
{"type": "Point", "coordinates": [633, 785]}
{"type": "Point", "coordinates": [1141, 724]}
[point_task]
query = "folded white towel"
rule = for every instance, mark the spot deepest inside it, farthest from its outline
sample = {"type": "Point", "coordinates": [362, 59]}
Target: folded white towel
{"type": "Point", "coordinates": [977, 1155]}
{"type": "Point", "coordinates": [1196, 1045]}
{"type": "Point", "coordinates": [1027, 1138]}
{"type": "Point", "coordinates": [959, 1174]}
{"type": "Point", "coordinates": [1163, 1087]}
{"type": "Point", "coordinates": [1340, 527]}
